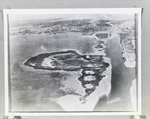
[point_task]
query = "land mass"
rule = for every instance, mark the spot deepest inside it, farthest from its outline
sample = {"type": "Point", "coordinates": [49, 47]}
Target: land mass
{"type": "Point", "coordinates": [66, 60]}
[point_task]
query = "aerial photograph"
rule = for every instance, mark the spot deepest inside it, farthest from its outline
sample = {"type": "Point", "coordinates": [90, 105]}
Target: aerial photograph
{"type": "Point", "coordinates": [72, 62]}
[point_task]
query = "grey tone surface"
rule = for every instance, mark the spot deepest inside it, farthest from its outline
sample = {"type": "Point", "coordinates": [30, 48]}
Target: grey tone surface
{"type": "Point", "coordinates": [18, 4]}
{"type": "Point", "coordinates": [67, 43]}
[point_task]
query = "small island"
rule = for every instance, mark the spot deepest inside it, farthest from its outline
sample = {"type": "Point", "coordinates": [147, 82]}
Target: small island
{"type": "Point", "coordinates": [66, 60]}
{"type": "Point", "coordinates": [91, 66]}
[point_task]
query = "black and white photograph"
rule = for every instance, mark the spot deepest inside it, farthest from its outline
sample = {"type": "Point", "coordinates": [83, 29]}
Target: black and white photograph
{"type": "Point", "coordinates": [72, 61]}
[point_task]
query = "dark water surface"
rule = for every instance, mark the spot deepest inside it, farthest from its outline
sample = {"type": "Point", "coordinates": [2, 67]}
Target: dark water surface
{"type": "Point", "coordinates": [122, 78]}
{"type": "Point", "coordinates": [33, 88]}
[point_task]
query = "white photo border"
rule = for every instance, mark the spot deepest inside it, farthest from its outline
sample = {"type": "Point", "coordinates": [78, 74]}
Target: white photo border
{"type": "Point", "coordinates": [7, 12]}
